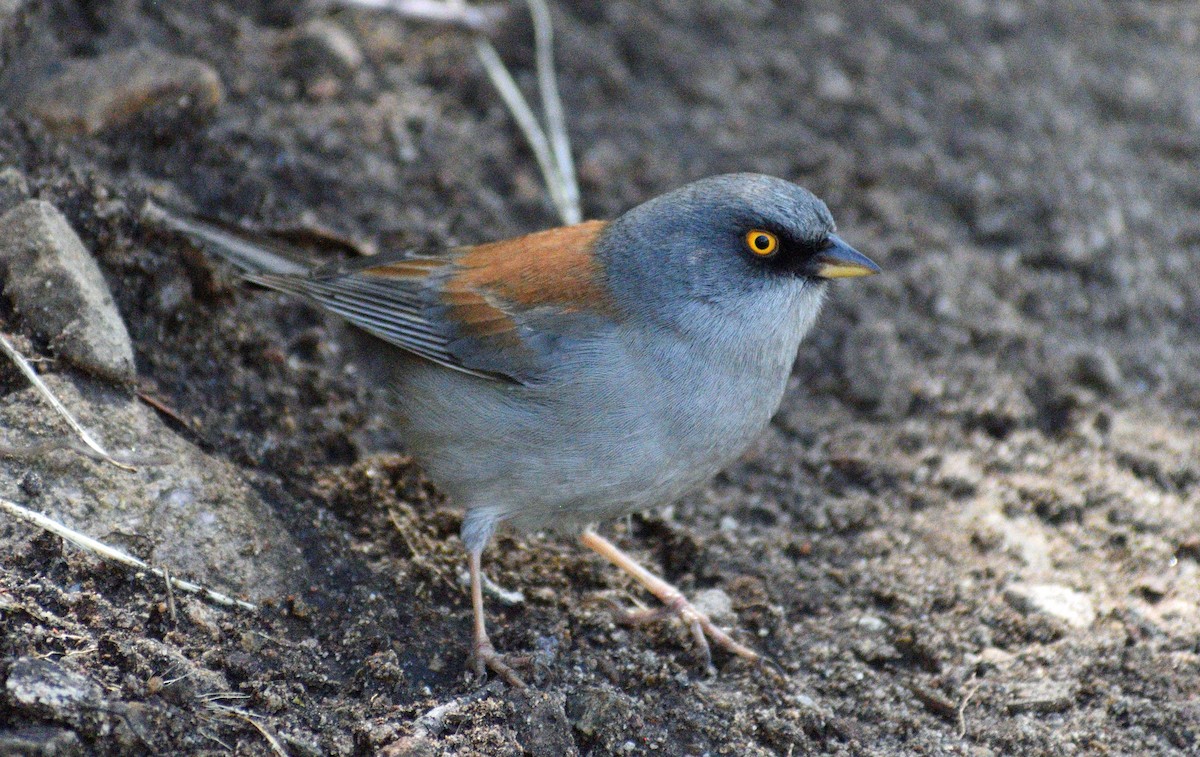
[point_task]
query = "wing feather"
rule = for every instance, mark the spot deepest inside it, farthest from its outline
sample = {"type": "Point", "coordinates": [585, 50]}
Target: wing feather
{"type": "Point", "coordinates": [481, 310]}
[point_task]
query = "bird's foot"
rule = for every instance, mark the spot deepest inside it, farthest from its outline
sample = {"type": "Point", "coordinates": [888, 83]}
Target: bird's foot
{"type": "Point", "coordinates": [484, 657]}
{"type": "Point", "coordinates": [697, 621]}
{"type": "Point", "coordinates": [675, 604]}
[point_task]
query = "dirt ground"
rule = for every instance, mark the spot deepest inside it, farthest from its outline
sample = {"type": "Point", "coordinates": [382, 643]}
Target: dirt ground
{"type": "Point", "coordinates": [973, 527]}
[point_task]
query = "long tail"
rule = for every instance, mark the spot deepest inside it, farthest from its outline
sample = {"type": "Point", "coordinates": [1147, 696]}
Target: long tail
{"type": "Point", "coordinates": [252, 254]}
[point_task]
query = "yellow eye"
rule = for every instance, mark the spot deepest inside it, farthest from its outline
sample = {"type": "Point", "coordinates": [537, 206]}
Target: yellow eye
{"type": "Point", "coordinates": [762, 243]}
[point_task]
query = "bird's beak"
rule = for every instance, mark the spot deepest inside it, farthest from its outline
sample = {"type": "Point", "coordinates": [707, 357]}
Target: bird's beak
{"type": "Point", "coordinates": [839, 260]}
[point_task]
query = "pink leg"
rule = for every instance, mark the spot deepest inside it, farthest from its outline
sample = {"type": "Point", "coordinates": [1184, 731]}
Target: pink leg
{"type": "Point", "coordinates": [483, 654]}
{"type": "Point", "coordinates": [673, 600]}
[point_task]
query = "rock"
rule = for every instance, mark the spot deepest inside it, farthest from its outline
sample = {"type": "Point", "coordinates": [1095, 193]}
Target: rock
{"type": "Point", "coordinates": [40, 741]}
{"type": "Point", "coordinates": [834, 84]}
{"type": "Point", "coordinates": [1097, 369]}
{"type": "Point", "coordinates": [60, 294]}
{"type": "Point", "coordinates": [48, 689]}
{"type": "Point", "coordinates": [992, 657]}
{"type": "Point", "coordinates": [410, 746]}
{"type": "Point", "coordinates": [714, 603]}
{"type": "Point", "coordinates": [317, 48]}
{"type": "Point", "coordinates": [1060, 602]}
{"type": "Point", "coordinates": [958, 474]}
{"type": "Point", "coordinates": [543, 730]}
{"type": "Point", "coordinates": [594, 710]}
{"type": "Point", "coordinates": [872, 624]}
{"type": "Point", "coordinates": [183, 509]}
{"type": "Point", "coordinates": [93, 94]}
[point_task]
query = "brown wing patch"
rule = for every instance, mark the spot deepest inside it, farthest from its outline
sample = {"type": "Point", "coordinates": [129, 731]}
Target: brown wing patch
{"type": "Point", "coordinates": [553, 267]}
{"type": "Point", "coordinates": [483, 288]}
{"type": "Point", "coordinates": [473, 315]}
{"type": "Point", "coordinates": [412, 268]}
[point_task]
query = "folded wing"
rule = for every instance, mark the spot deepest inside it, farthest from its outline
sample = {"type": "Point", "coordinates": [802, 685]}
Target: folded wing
{"type": "Point", "coordinates": [498, 310]}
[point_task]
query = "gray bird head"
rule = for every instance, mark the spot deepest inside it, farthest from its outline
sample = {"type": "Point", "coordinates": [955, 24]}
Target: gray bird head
{"type": "Point", "coordinates": [725, 242]}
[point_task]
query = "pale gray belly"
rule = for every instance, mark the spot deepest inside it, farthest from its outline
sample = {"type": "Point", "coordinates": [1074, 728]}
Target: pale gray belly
{"type": "Point", "coordinates": [580, 452]}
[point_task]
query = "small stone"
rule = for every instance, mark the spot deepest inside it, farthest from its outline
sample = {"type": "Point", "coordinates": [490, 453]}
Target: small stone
{"type": "Point", "coordinates": [876, 652]}
{"type": "Point", "coordinates": [56, 287]}
{"type": "Point", "coordinates": [93, 94]}
{"type": "Point", "coordinates": [958, 474]}
{"type": "Point", "coordinates": [1097, 369]}
{"type": "Point", "coordinates": [302, 746]}
{"type": "Point", "coordinates": [410, 746]}
{"type": "Point", "coordinates": [872, 623]}
{"type": "Point", "coordinates": [593, 709]}
{"type": "Point", "coordinates": [995, 657]}
{"type": "Point", "coordinates": [543, 729]}
{"type": "Point", "coordinates": [50, 689]}
{"type": "Point", "coordinates": [714, 603]}
{"type": "Point", "coordinates": [1060, 602]}
{"type": "Point", "coordinates": [833, 84]}
{"type": "Point", "coordinates": [300, 609]}
{"type": "Point", "coordinates": [319, 48]}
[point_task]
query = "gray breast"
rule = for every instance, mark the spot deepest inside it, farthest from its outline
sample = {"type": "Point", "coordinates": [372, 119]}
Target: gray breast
{"type": "Point", "coordinates": [642, 422]}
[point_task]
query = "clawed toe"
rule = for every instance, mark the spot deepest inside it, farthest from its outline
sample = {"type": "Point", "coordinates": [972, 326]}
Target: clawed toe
{"type": "Point", "coordinates": [484, 657]}
{"type": "Point", "coordinates": [674, 603]}
{"type": "Point", "coordinates": [698, 623]}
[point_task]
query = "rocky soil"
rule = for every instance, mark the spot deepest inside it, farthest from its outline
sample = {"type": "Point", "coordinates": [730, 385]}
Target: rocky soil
{"type": "Point", "coordinates": [973, 527]}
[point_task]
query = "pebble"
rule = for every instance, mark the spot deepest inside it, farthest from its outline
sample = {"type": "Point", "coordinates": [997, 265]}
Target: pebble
{"type": "Point", "coordinates": [57, 289]}
{"type": "Point", "coordinates": [714, 603]}
{"type": "Point", "coordinates": [93, 94]}
{"type": "Point", "coordinates": [1097, 369]}
{"type": "Point", "coordinates": [320, 47]}
{"type": "Point", "coordinates": [959, 474]}
{"type": "Point", "coordinates": [872, 623]}
{"type": "Point", "coordinates": [1055, 600]}
{"type": "Point", "coordinates": [593, 709]}
{"type": "Point", "coordinates": [49, 689]}
{"type": "Point", "coordinates": [833, 84]}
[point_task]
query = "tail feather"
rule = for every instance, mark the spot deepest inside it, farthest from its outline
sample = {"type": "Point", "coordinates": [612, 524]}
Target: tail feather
{"type": "Point", "coordinates": [252, 254]}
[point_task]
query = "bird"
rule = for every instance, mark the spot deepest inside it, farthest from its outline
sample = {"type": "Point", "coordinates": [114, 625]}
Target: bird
{"type": "Point", "coordinates": [565, 377]}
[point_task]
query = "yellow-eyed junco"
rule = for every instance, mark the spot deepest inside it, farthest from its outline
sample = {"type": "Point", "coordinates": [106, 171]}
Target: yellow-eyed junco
{"type": "Point", "coordinates": [580, 373]}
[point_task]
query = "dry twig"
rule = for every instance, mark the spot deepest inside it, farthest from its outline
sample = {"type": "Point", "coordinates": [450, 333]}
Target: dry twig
{"type": "Point", "coordinates": [272, 740]}
{"type": "Point", "coordinates": [553, 153]}
{"type": "Point", "coordinates": [962, 708]}
{"type": "Point", "coordinates": [26, 369]}
{"type": "Point", "coordinates": [551, 145]}
{"type": "Point", "coordinates": [87, 543]}
{"type": "Point", "coordinates": [477, 18]}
